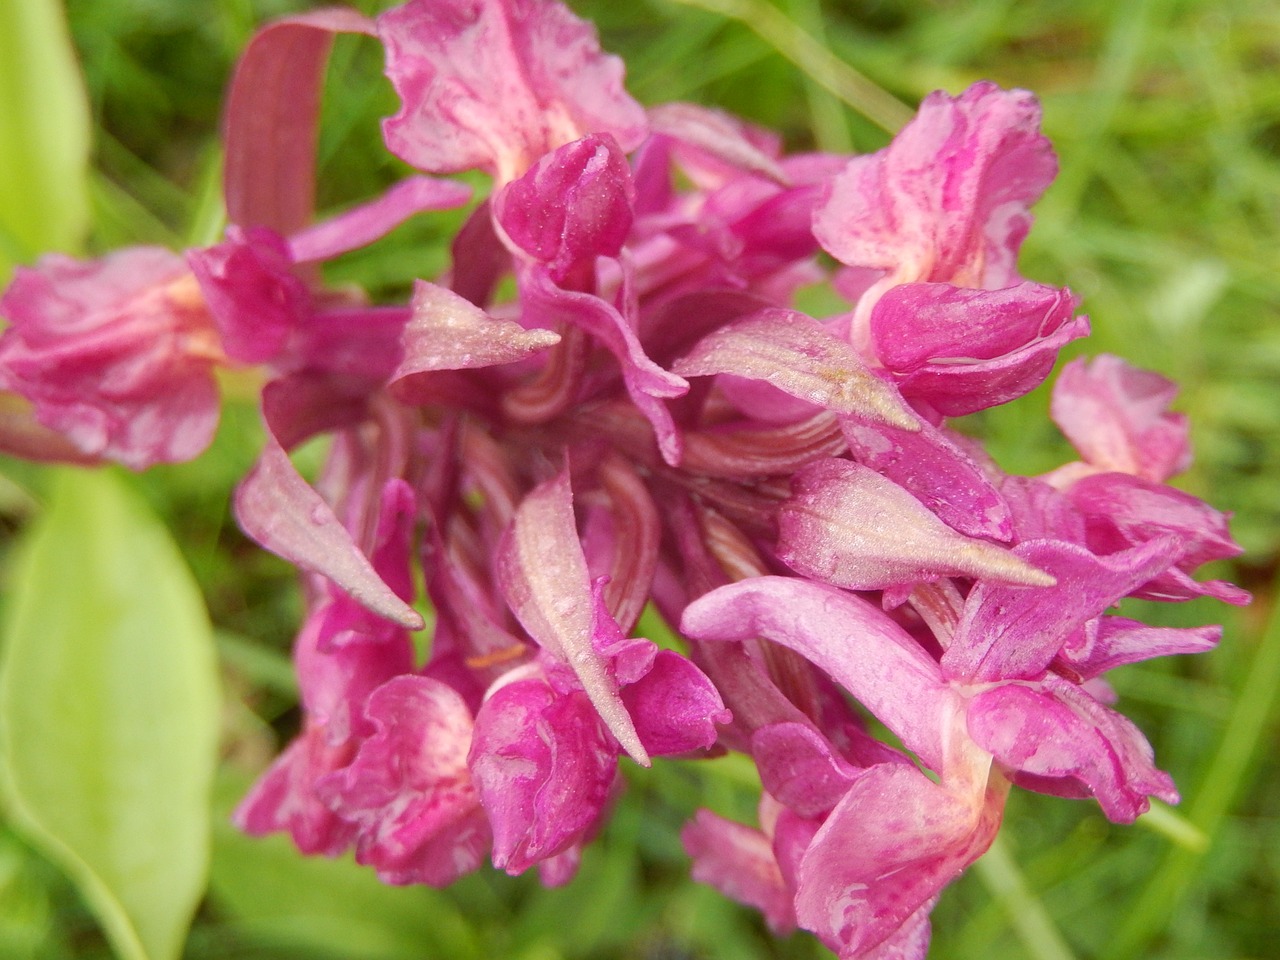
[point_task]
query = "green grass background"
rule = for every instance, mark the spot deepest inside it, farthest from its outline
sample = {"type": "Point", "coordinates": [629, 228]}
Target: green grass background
{"type": "Point", "coordinates": [1166, 116]}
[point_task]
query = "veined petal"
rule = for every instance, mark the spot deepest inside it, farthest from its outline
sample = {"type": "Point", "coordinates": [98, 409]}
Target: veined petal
{"type": "Point", "coordinates": [849, 526]}
{"type": "Point", "coordinates": [495, 84]}
{"type": "Point", "coordinates": [795, 354]}
{"type": "Point", "coordinates": [1009, 632]}
{"type": "Point", "coordinates": [543, 574]}
{"type": "Point", "coordinates": [278, 509]}
{"type": "Point", "coordinates": [739, 862]}
{"type": "Point", "coordinates": [854, 642]}
{"type": "Point", "coordinates": [937, 471]}
{"type": "Point", "coordinates": [446, 332]}
{"type": "Point", "coordinates": [273, 107]}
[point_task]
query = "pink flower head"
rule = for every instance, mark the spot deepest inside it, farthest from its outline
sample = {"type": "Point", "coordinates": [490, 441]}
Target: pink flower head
{"type": "Point", "coordinates": [496, 84]}
{"type": "Point", "coordinates": [117, 354]}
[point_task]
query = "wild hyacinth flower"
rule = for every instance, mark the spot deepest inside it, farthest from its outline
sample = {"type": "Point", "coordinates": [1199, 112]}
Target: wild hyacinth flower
{"type": "Point", "coordinates": [649, 419]}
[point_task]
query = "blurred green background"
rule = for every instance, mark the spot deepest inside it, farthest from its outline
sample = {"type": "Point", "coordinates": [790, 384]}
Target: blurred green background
{"type": "Point", "coordinates": [1166, 116]}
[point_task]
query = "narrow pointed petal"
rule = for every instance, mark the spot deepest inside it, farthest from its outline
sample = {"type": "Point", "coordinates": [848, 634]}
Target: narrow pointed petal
{"type": "Point", "coordinates": [365, 223]}
{"type": "Point", "coordinates": [282, 513]}
{"type": "Point", "coordinates": [795, 354]}
{"type": "Point", "coordinates": [271, 121]}
{"type": "Point", "coordinates": [543, 574]}
{"type": "Point", "coordinates": [1009, 632]}
{"type": "Point", "coordinates": [1112, 642]}
{"type": "Point", "coordinates": [446, 332]}
{"type": "Point", "coordinates": [847, 525]}
{"type": "Point", "coordinates": [718, 135]}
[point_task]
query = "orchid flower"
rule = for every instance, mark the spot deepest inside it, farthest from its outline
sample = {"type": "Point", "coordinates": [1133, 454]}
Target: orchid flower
{"type": "Point", "coordinates": [612, 400]}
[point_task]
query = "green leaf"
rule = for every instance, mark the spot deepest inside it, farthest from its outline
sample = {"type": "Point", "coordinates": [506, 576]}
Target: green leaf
{"type": "Point", "coordinates": [44, 134]}
{"type": "Point", "coordinates": [109, 712]}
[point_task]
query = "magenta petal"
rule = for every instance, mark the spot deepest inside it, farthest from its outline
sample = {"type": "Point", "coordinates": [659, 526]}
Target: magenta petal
{"type": "Point", "coordinates": [495, 84]}
{"type": "Point", "coordinates": [936, 471]}
{"type": "Point", "coordinates": [887, 850]}
{"type": "Point", "coordinates": [675, 707]}
{"type": "Point", "coordinates": [966, 350]}
{"type": "Point", "coordinates": [365, 223]}
{"type": "Point", "coordinates": [116, 354]}
{"type": "Point", "coordinates": [647, 383]}
{"type": "Point", "coordinates": [1014, 632]}
{"type": "Point", "coordinates": [572, 206]}
{"type": "Point", "coordinates": [738, 861]}
{"type": "Point", "coordinates": [850, 639]}
{"type": "Point", "coordinates": [800, 768]}
{"type": "Point", "coordinates": [272, 111]}
{"type": "Point", "coordinates": [408, 790]}
{"type": "Point", "coordinates": [797, 355]}
{"type": "Point", "coordinates": [544, 765]}
{"type": "Point", "coordinates": [1118, 417]}
{"type": "Point", "coordinates": [280, 510]}
{"type": "Point", "coordinates": [284, 799]}
{"type": "Point", "coordinates": [1063, 733]}
{"type": "Point", "coordinates": [251, 291]}
{"type": "Point", "coordinates": [543, 574]}
{"type": "Point", "coordinates": [447, 332]}
{"type": "Point", "coordinates": [1110, 642]}
{"type": "Point", "coordinates": [849, 526]}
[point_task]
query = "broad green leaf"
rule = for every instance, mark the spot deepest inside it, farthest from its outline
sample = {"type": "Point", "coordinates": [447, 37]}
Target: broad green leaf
{"type": "Point", "coordinates": [44, 134]}
{"type": "Point", "coordinates": [109, 711]}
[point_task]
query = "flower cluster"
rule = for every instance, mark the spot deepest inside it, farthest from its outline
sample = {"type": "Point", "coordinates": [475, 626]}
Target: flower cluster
{"type": "Point", "coordinates": [648, 419]}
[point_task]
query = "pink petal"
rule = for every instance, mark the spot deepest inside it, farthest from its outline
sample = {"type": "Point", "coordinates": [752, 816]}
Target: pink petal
{"type": "Point", "coordinates": [1063, 733]}
{"type": "Point", "coordinates": [447, 332]}
{"type": "Point", "coordinates": [495, 84]}
{"type": "Point", "coordinates": [1118, 417]}
{"type": "Point", "coordinates": [365, 223]}
{"type": "Point", "coordinates": [116, 354]}
{"type": "Point", "coordinates": [738, 861]}
{"type": "Point", "coordinates": [852, 641]}
{"type": "Point", "coordinates": [1111, 642]}
{"type": "Point", "coordinates": [544, 765]}
{"type": "Point", "coordinates": [572, 206]}
{"type": "Point", "coordinates": [887, 850]}
{"type": "Point", "coordinates": [675, 707]}
{"type": "Point", "coordinates": [947, 200]}
{"type": "Point", "coordinates": [795, 354]}
{"type": "Point", "coordinates": [272, 114]}
{"type": "Point", "coordinates": [1009, 632]}
{"type": "Point", "coordinates": [408, 791]}
{"type": "Point", "coordinates": [849, 526]}
{"type": "Point", "coordinates": [966, 350]}
{"type": "Point", "coordinates": [543, 574]}
{"type": "Point", "coordinates": [282, 513]}
{"type": "Point", "coordinates": [937, 471]}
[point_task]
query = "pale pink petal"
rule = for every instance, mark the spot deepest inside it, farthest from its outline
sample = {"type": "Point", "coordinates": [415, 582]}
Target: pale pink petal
{"type": "Point", "coordinates": [797, 355]}
{"type": "Point", "coordinates": [1118, 417]}
{"type": "Point", "coordinates": [738, 861]}
{"type": "Point", "coordinates": [543, 574]}
{"type": "Point", "coordinates": [495, 84]}
{"type": "Point", "coordinates": [849, 526]}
